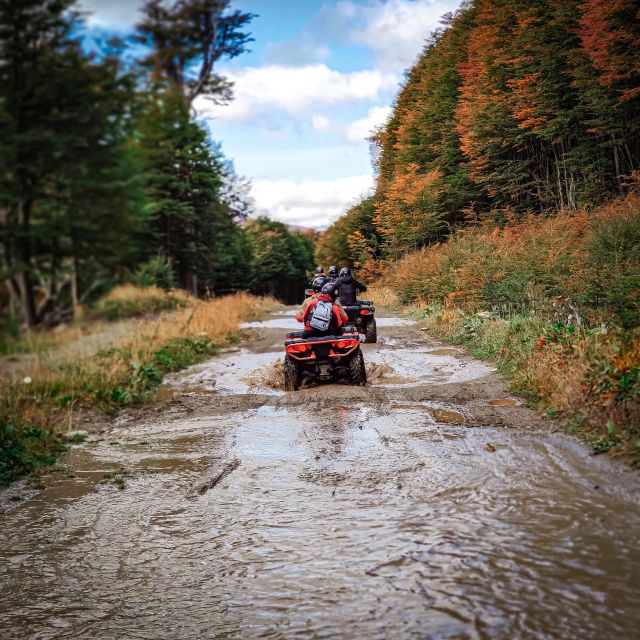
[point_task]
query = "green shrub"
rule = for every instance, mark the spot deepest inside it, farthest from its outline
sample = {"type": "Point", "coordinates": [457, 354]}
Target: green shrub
{"type": "Point", "coordinates": [613, 263]}
{"type": "Point", "coordinates": [181, 352]}
{"type": "Point", "coordinates": [23, 449]}
{"type": "Point", "coordinates": [121, 308]}
{"type": "Point", "coordinates": [155, 273]}
{"type": "Point", "coordinates": [10, 337]}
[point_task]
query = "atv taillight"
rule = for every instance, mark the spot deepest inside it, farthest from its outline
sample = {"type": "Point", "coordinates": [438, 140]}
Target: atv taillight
{"type": "Point", "coordinates": [346, 344]}
{"type": "Point", "coordinates": [364, 312]}
{"type": "Point", "coordinates": [298, 348]}
{"type": "Point", "coordinates": [300, 351]}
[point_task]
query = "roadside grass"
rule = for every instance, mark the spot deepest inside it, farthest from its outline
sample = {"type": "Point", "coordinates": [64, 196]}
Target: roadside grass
{"type": "Point", "coordinates": [122, 302]}
{"type": "Point", "coordinates": [129, 301]}
{"type": "Point", "coordinates": [586, 378]}
{"type": "Point", "coordinates": [382, 296]}
{"type": "Point", "coordinates": [15, 341]}
{"type": "Point", "coordinates": [554, 301]}
{"type": "Point", "coordinates": [56, 396]}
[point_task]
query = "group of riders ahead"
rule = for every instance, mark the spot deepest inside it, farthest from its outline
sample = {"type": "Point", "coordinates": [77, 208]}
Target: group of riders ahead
{"type": "Point", "coordinates": [322, 312]}
{"type": "Point", "coordinates": [329, 346]}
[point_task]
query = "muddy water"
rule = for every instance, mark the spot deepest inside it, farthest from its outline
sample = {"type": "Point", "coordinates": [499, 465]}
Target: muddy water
{"type": "Point", "coordinates": [330, 513]}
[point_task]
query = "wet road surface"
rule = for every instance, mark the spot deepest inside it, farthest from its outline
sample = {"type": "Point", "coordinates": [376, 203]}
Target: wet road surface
{"type": "Point", "coordinates": [338, 512]}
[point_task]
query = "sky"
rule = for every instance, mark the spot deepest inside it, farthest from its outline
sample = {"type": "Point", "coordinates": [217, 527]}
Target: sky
{"type": "Point", "coordinates": [320, 76]}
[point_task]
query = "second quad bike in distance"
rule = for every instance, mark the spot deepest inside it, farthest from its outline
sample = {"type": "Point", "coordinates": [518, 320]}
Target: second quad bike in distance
{"type": "Point", "coordinates": [362, 316]}
{"type": "Point", "coordinates": [323, 359]}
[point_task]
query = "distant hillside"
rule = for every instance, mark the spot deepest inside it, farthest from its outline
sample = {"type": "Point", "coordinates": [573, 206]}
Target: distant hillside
{"type": "Point", "coordinates": [296, 228]}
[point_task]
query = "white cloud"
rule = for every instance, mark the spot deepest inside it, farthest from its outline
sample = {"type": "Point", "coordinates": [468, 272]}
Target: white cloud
{"type": "Point", "coordinates": [357, 131]}
{"type": "Point", "coordinates": [294, 90]}
{"type": "Point", "coordinates": [121, 14]}
{"type": "Point", "coordinates": [311, 202]}
{"type": "Point", "coordinates": [396, 30]}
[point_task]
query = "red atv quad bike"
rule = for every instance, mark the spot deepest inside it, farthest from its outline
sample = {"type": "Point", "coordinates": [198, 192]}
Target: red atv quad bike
{"type": "Point", "coordinates": [362, 315]}
{"type": "Point", "coordinates": [323, 359]}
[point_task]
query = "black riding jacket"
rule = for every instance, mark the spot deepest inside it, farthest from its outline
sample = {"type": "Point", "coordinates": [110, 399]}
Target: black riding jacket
{"type": "Point", "coordinates": [348, 288]}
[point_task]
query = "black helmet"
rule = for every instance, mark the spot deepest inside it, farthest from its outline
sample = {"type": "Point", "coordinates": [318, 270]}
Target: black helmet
{"type": "Point", "coordinates": [330, 289]}
{"type": "Point", "coordinates": [345, 271]}
{"type": "Point", "coordinates": [318, 283]}
{"type": "Point", "coordinates": [319, 270]}
{"type": "Point", "coordinates": [333, 270]}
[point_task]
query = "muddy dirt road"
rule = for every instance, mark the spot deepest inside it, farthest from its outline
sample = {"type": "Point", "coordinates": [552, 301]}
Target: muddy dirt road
{"type": "Point", "coordinates": [404, 509]}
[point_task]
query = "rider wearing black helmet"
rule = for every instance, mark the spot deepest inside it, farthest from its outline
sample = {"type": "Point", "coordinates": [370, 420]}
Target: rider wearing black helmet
{"type": "Point", "coordinates": [336, 315]}
{"type": "Point", "coordinates": [317, 285]}
{"type": "Point", "coordinates": [348, 287]}
{"type": "Point", "coordinates": [333, 273]}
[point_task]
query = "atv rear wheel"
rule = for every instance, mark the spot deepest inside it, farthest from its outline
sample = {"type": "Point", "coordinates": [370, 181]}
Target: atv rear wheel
{"type": "Point", "coordinates": [357, 370]}
{"type": "Point", "coordinates": [291, 374]}
{"type": "Point", "coordinates": [371, 331]}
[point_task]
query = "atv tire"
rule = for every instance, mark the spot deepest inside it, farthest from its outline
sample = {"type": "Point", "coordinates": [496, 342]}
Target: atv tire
{"type": "Point", "coordinates": [291, 375]}
{"type": "Point", "coordinates": [371, 331]}
{"type": "Point", "coordinates": [357, 371]}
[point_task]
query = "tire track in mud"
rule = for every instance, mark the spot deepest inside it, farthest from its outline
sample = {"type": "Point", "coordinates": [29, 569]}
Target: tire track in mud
{"type": "Point", "coordinates": [400, 509]}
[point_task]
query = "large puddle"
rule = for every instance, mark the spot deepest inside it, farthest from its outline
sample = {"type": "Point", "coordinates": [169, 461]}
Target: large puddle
{"type": "Point", "coordinates": [278, 320]}
{"type": "Point", "coordinates": [342, 518]}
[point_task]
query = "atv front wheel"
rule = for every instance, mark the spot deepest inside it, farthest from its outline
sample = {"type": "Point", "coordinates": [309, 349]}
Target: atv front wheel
{"type": "Point", "coordinates": [371, 331]}
{"type": "Point", "coordinates": [357, 370]}
{"type": "Point", "coordinates": [291, 375]}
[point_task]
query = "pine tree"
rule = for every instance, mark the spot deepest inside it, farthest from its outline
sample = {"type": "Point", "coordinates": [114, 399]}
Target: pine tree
{"type": "Point", "coordinates": [193, 228]}
{"type": "Point", "coordinates": [186, 40]}
{"type": "Point", "coordinates": [66, 195]}
{"type": "Point", "coordinates": [281, 258]}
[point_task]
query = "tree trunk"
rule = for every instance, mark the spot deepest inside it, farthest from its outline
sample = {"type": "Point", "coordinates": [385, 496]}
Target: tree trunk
{"type": "Point", "coordinates": [14, 296]}
{"type": "Point", "coordinates": [27, 301]}
{"type": "Point", "coordinates": [75, 288]}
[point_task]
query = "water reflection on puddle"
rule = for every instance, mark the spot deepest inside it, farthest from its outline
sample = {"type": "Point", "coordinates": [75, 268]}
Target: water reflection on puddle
{"type": "Point", "coordinates": [228, 375]}
{"type": "Point", "coordinates": [328, 519]}
{"type": "Point", "coordinates": [420, 365]}
{"type": "Point", "coordinates": [280, 320]}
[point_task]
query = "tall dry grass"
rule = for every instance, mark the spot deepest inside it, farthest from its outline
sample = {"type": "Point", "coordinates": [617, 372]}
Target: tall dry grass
{"type": "Point", "coordinates": [215, 320]}
{"type": "Point", "coordinates": [57, 393]}
{"type": "Point", "coordinates": [383, 296]}
{"type": "Point", "coordinates": [555, 301]}
{"type": "Point", "coordinates": [575, 266]}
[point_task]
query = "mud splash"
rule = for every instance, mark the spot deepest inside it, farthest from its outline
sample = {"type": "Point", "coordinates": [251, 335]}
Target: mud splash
{"type": "Point", "coordinates": [384, 374]}
{"type": "Point", "coordinates": [270, 375]}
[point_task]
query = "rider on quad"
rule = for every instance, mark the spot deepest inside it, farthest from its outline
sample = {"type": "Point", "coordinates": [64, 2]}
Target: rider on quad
{"type": "Point", "coordinates": [348, 287]}
{"type": "Point", "coordinates": [322, 316]}
{"type": "Point", "coordinates": [333, 274]}
{"type": "Point", "coordinates": [326, 350]}
{"type": "Point", "coordinates": [314, 292]}
{"type": "Point", "coordinates": [311, 293]}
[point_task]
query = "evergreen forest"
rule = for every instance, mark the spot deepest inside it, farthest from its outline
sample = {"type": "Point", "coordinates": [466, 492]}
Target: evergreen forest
{"type": "Point", "coordinates": [107, 173]}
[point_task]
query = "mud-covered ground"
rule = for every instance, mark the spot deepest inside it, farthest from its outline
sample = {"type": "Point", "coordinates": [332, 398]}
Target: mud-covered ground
{"type": "Point", "coordinates": [404, 509]}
